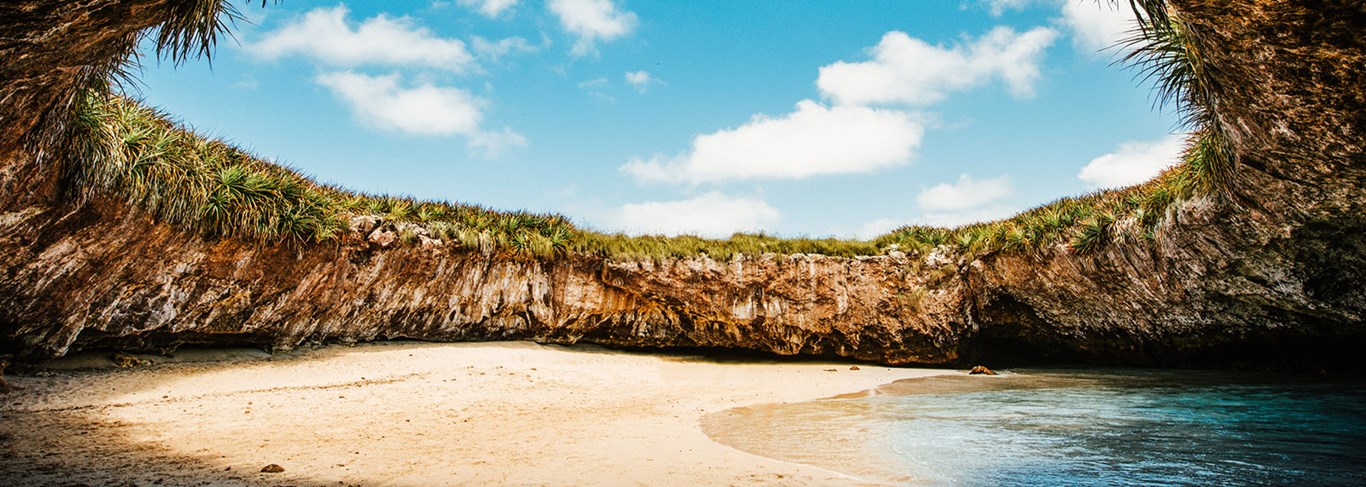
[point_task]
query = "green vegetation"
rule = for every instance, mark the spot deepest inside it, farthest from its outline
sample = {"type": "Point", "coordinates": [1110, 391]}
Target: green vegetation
{"type": "Point", "coordinates": [1084, 223]}
{"type": "Point", "coordinates": [628, 247]}
{"type": "Point", "coordinates": [131, 151]}
{"type": "Point", "coordinates": [1165, 51]}
{"type": "Point", "coordinates": [122, 148]}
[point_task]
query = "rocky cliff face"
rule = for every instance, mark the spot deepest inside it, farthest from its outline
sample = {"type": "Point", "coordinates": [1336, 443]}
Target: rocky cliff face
{"type": "Point", "coordinates": [107, 276]}
{"type": "Point", "coordinates": [1271, 270]}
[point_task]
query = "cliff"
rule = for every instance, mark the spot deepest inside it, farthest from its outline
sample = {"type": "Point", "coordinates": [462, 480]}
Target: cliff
{"type": "Point", "coordinates": [1269, 267]}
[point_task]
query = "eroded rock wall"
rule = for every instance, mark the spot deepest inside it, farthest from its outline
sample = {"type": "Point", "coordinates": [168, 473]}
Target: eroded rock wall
{"type": "Point", "coordinates": [106, 275]}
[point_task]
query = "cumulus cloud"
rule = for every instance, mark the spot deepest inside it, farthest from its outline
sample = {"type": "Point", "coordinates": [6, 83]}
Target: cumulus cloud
{"type": "Point", "coordinates": [489, 8]}
{"type": "Point", "coordinates": [492, 50]}
{"type": "Point", "coordinates": [326, 36]}
{"type": "Point", "coordinates": [814, 140]}
{"type": "Point", "coordinates": [422, 110]}
{"type": "Point", "coordinates": [382, 102]}
{"type": "Point", "coordinates": [641, 80]}
{"type": "Point", "coordinates": [709, 215]}
{"type": "Point", "coordinates": [1133, 162]}
{"type": "Point", "coordinates": [491, 143]}
{"type": "Point", "coordinates": [1097, 26]}
{"type": "Point", "coordinates": [592, 21]}
{"type": "Point", "coordinates": [966, 194]}
{"type": "Point", "coordinates": [911, 71]}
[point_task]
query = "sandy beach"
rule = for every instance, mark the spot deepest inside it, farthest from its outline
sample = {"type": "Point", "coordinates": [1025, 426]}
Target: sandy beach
{"type": "Point", "coordinates": [407, 414]}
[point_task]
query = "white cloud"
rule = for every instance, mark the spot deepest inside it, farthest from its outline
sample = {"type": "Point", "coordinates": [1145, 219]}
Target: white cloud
{"type": "Point", "coordinates": [641, 80]}
{"type": "Point", "coordinates": [592, 21]}
{"type": "Point", "coordinates": [490, 8]}
{"type": "Point", "coordinates": [493, 50]}
{"type": "Point", "coordinates": [1133, 162]}
{"type": "Point", "coordinates": [998, 7]}
{"type": "Point", "coordinates": [709, 215]}
{"type": "Point", "coordinates": [490, 143]}
{"type": "Point", "coordinates": [423, 110]}
{"type": "Point", "coordinates": [967, 193]}
{"type": "Point", "coordinates": [594, 83]}
{"type": "Point", "coordinates": [1097, 26]}
{"type": "Point", "coordinates": [325, 35]}
{"type": "Point", "coordinates": [246, 83]}
{"type": "Point", "coordinates": [426, 109]}
{"type": "Point", "coordinates": [599, 88]}
{"type": "Point", "coordinates": [814, 140]}
{"type": "Point", "coordinates": [911, 71]}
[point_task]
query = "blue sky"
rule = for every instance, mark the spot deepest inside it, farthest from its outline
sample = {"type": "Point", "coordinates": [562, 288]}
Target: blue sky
{"type": "Point", "coordinates": [796, 117]}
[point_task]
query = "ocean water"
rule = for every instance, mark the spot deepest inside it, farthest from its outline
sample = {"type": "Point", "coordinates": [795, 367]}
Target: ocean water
{"type": "Point", "coordinates": [1073, 427]}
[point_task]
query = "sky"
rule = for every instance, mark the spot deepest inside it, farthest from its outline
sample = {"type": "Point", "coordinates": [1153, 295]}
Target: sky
{"type": "Point", "coordinates": [793, 117]}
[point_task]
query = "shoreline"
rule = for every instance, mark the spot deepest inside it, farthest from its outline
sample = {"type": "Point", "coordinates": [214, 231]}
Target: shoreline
{"type": "Point", "coordinates": [412, 413]}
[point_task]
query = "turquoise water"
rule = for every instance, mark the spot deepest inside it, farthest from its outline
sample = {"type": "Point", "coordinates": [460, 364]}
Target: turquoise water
{"type": "Point", "coordinates": [1074, 427]}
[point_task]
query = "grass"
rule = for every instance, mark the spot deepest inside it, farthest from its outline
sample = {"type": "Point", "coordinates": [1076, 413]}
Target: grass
{"type": "Point", "coordinates": [208, 186]}
{"type": "Point", "coordinates": [642, 247]}
{"type": "Point", "coordinates": [1084, 224]}
{"type": "Point", "coordinates": [135, 153]}
{"type": "Point", "coordinates": [211, 187]}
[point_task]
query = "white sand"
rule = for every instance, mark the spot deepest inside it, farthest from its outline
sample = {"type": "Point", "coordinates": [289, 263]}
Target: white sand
{"type": "Point", "coordinates": [411, 414]}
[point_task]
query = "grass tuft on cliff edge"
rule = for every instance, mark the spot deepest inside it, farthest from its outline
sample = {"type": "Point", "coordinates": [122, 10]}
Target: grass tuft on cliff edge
{"type": "Point", "coordinates": [135, 153]}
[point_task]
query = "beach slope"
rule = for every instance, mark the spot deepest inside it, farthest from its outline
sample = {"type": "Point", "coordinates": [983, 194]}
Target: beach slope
{"type": "Point", "coordinates": [408, 414]}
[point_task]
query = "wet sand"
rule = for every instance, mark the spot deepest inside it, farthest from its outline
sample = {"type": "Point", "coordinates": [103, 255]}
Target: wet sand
{"type": "Point", "coordinates": [407, 414]}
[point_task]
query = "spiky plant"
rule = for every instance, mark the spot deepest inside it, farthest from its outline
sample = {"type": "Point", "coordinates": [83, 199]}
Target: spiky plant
{"type": "Point", "coordinates": [1093, 233]}
{"type": "Point", "coordinates": [1164, 50]}
{"type": "Point", "coordinates": [191, 28]}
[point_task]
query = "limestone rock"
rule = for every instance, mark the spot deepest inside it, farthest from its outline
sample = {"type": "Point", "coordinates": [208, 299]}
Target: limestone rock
{"type": "Point", "coordinates": [412, 229]}
{"type": "Point", "coordinates": [364, 224]}
{"type": "Point", "coordinates": [383, 237]}
{"type": "Point", "coordinates": [981, 370]}
{"type": "Point", "coordinates": [941, 256]}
